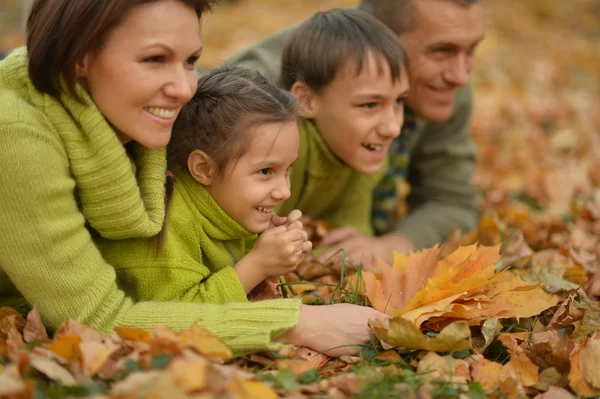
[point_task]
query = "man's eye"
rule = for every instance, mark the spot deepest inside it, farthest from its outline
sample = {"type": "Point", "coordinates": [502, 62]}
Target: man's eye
{"type": "Point", "coordinates": [400, 100]}
{"type": "Point", "coordinates": [265, 171]}
{"type": "Point", "coordinates": [154, 58]}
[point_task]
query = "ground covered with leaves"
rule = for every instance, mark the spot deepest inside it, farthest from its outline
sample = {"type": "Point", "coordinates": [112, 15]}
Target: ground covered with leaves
{"type": "Point", "coordinates": [509, 310]}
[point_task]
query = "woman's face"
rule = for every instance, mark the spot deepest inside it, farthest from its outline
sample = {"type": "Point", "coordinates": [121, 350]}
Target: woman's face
{"type": "Point", "coordinates": [144, 73]}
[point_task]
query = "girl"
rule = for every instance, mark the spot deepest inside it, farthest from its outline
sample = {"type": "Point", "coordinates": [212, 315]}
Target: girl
{"type": "Point", "coordinates": [86, 110]}
{"type": "Point", "coordinates": [229, 158]}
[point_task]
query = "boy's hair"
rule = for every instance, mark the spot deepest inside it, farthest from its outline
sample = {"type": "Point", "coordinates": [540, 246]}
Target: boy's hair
{"type": "Point", "coordinates": [400, 15]}
{"type": "Point", "coordinates": [328, 41]}
{"type": "Point", "coordinates": [61, 32]}
{"type": "Point", "coordinates": [228, 101]}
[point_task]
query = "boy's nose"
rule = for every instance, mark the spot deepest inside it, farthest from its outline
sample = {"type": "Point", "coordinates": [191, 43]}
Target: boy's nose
{"type": "Point", "coordinates": [392, 124]}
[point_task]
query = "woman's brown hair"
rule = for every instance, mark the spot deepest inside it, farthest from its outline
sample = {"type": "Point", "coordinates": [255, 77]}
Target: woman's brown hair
{"type": "Point", "coordinates": [61, 32]}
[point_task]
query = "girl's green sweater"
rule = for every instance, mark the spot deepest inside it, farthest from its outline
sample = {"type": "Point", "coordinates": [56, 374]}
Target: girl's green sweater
{"type": "Point", "coordinates": [195, 262]}
{"type": "Point", "coordinates": [65, 177]}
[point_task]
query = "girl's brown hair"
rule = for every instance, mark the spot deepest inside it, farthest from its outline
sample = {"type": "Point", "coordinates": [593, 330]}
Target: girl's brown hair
{"type": "Point", "coordinates": [61, 32]}
{"type": "Point", "coordinates": [228, 101]}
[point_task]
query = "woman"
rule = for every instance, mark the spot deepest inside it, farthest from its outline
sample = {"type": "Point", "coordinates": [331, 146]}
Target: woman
{"type": "Point", "coordinates": [85, 113]}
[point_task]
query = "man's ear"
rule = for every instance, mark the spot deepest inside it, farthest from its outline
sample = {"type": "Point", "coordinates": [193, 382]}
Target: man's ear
{"type": "Point", "coordinates": [306, 97]}
{"type": "Point", "coordinates": [202, 167]}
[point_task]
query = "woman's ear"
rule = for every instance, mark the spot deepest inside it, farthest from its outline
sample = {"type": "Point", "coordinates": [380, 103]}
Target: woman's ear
{"type": "Point", "coordinates": [202, 167]}
{"type": "Point", "coordinates": [81, 66]}
{"type": "Point", "coordinates": [306, 99]}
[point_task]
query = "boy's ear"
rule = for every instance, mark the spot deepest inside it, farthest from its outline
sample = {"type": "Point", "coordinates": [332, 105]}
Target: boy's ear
{"type": "Point", "coordinates": [306, 99]}
{"type": "Point", "coordinates": [202, 167]}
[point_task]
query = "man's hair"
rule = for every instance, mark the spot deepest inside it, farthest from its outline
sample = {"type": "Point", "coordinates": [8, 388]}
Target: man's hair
{"type": "Point", "coordinates": [329, 41]}
{"type": "Point", "coordinates": [61, 32]}
{"type": "Point", "coordinates": [400, 15]}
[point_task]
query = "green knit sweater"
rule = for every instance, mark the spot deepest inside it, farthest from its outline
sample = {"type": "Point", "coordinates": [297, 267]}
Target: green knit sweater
{"type": "Point", "coordinates": [66, 176]}
{"type": "Point", "coordinates": [324, 187]}
{"type": "Point", "coordinates": [195, 262]}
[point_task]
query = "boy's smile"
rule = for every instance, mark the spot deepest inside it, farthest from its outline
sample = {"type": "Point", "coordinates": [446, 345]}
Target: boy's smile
{"type": "Point", "coordinates": [358, 115]}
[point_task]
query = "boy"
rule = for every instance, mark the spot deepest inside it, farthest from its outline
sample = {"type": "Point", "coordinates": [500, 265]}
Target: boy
{"type": "Point", "coordinates": [348, 71]}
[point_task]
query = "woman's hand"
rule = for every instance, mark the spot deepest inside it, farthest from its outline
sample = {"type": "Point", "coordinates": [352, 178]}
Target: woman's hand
{"type": "Point", "coordinates": [335, 330]}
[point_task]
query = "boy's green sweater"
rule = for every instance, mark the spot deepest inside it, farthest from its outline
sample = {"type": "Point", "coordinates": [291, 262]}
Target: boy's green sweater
{"type": "Point", "coordinates": [66, 176]}
{"type": "Point", "coordinates": [324, 187]}
{"type": "Point", "coordinates": [195, 262]}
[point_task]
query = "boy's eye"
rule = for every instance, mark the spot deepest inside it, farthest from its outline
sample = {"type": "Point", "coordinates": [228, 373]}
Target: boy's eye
{"type": "Point", "coordinates": [265, 171]}
{"type": "Point", "coordinates": [154, 58]}
{"type": "Point", "coordinates": [368, 105]}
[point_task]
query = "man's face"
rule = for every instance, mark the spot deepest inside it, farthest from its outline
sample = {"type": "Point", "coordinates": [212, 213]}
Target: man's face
{"type": "Point", "coordinates": [441, 51]}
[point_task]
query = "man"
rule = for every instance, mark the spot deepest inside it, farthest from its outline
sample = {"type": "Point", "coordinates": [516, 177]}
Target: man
{"type": "Point", "coordinates": [435, 152]}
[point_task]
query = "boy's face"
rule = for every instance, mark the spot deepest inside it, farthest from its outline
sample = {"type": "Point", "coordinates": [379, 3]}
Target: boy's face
{"type": "Point", "coordinates": [442, 53]}
{"type": "Point", "coordinates": [249, 189]}
{"type": "Point", "coordinates": [358, 116]}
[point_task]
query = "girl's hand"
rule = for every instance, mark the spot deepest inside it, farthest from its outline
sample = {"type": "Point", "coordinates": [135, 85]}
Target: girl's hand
{"type": "Point", "coordinates": [335, 330]}
{"type": "Point", "coordinates": [277, 251]}
{"type": "Point", "coordinates": [293, 216]}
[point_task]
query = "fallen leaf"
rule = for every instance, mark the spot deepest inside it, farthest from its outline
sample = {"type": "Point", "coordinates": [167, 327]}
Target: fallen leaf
{"type": "Point", "coordinates": [52, 370]}
{"type": "Point", "coordinates": [133, 334]}
{"type": "Point", "coordinates": [524, 368]}
{"type": "Point", "coordinates": [67, 347]}
{"type": "Point", "coordinates": [434, 367]}
{"type": "Point", "coordinates": [403, 334]}
{"type": "Point", "coordinates": [34, 327]}
{"type": "Point", "coordinates": [204, 342]}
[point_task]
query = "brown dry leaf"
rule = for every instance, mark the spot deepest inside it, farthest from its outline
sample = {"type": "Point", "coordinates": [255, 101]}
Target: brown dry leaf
{"type": "Point", "coordinates": [523, 367]}
{"type": "Point", "coordinates": [52, 370]}
{"type": "Point", "coordinates": [190, 375]}
{"type": "Point", "coordinates": [133, 334]}
{"type": "Point", "coordinates": [11, 383]}
{"type": "Point", "coordinates": [589, 361]}
{"type": "Point", "coordinates": [94, 355]}
{"type": "Point", "coordinates": [555, 393]}
{"type": "Point", "coordinates": [577, 380]}
{"type": "Point", "coordinates": [547, 349]}
{"type": "Point", "coordinates": [71, 327]}
{"type": "Point", "coordinates": [34, 327]}
{"type": "Point", "coordinates": [67, 347]}
{"type": "Point", "coordinates": [298, 367]}
{"type": "Point", "coordinates": [251, 389]}
{"type": "Point", "coordinates": [403, 334]}
{"type": "Point", "coordinates": [434, 367]}
{"type": "Point", "coordinates": [204, 342]}
{"type": "Point", "coordinates": [548, 378]}
{"type": "Point", "coordinates": [488, 373]}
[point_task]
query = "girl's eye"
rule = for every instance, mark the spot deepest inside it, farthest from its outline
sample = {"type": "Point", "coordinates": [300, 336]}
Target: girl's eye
{"type": "Point", "coordinates": [368, 105]}
{"type": "Point", "coordinates": [154, 58]}
{"type": "Point", "coordinates": [265, 171]}
{"type": "Point", "coordinates": [191, 61]}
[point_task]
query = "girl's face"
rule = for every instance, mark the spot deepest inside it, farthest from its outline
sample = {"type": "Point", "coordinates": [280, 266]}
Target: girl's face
{"type": "Point", "coordinates": [144, 73]}
{"type": "Point", "coordinates": [249, 189]}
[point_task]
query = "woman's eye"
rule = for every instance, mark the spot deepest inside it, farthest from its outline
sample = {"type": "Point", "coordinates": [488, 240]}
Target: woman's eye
{"type": "Point", "coordinates": [154, 58]}
{"type": "Point", "coordinates": [368, 105]}
{"type": "Point", "coordinates": [191, 61]}
{"type": "Point", "coordinates": [265, 171]}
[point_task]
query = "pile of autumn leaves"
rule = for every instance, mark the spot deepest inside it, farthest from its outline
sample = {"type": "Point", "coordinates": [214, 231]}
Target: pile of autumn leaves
{"type": "Point", "coordinates": [462, 301]}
